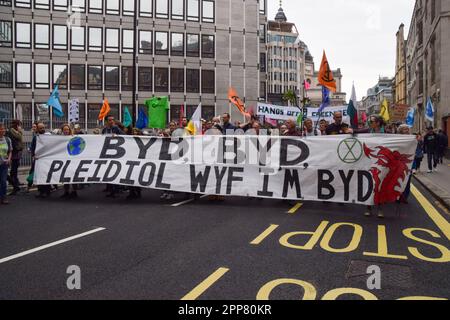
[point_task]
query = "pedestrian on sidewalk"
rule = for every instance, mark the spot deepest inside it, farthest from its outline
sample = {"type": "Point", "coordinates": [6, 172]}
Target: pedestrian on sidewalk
{"type": "Point", "coordinates": [443, 144]}
{"type": "Point", "coordinates": [419, 154]}
{"type": "Point", "coordinates": [5, 160]}
{"type": "Point", "coordinates": [430, 145]}
{"type": "Point", "coordinates": [15, 134]}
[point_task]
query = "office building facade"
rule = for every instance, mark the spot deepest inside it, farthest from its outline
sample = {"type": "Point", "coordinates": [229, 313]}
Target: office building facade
{"type": "Point", "coordinates": [189, 50]}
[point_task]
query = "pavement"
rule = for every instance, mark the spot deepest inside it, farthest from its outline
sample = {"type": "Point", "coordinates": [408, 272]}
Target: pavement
{"type": "Point", "coordinates": [437, 183]}
{"type": "Point", "coordinates": [206, 250]}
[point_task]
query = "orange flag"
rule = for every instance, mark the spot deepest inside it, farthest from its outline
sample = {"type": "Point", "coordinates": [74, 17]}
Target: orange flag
{"type": "Point", "coordinates": [105, 110]}
{"type": "Point", "coordinates": [326, 78]}
{"type": "Point", "coordinates": [234, 99]}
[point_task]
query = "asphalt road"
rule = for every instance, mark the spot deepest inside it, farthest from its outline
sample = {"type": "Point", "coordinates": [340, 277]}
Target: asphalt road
{"type": "Point", "coordinates": [235, 249]}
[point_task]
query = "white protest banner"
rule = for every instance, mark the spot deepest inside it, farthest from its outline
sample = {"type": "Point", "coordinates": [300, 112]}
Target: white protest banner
{"type": "Point", "coordinates": [363, 169]}
{"type": "Point", "coordinates": [277, 112]}
{"type": "Point", "coordinates": [328, 114]}
{"type": "Point", "coordinates": [74, 111]}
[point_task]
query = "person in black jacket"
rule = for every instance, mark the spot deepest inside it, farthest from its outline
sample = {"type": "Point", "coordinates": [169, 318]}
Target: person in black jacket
{"type": "Point", "coordinates": [430, 146]}
{"type": "Point", "coordinates": [15, 134]}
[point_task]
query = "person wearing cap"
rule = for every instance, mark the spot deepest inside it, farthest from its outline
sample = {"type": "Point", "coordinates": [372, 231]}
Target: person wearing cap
{"type": "Point", "coordinates": [430, 146]}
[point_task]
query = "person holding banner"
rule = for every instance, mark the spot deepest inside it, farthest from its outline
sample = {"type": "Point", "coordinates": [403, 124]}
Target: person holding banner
{"type": "Point", "coordinates": [338, 127]}
{"type": "Point", "coordinates": [67, 131]}
{"type": "Point", "coordinates": [323, 125]}
{"type": "Point", "coordinates": [310, 131]}
{"type": "Point", "coordinates": [44, 190]}
{"type": "Point", "coordinates": [292, 129]}
{"type": "Point", "coordinates": [111, 127]}
{"type": "Point", "coordinates": [227, 127]}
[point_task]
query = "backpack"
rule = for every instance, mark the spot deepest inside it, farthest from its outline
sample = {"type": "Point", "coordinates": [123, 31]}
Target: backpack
{"type": "Point", "coordinates": [14, 143]}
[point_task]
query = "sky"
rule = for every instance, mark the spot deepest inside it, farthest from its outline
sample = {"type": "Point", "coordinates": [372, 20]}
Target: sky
{"type": "Point", "coordinates": [358, 36]}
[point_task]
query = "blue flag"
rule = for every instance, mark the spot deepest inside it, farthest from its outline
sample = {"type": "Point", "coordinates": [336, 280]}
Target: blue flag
{"type": "Point", "coordinates": [429, 113]}
{"type": "Point", "coordinates": [54, 102]}
{"type": "Point", "coordinates": [142, 121]}
{"type": "Point", "coordinates": [410, 118]}
{"type": "Point", "coordinates": [325, 99]}
{"type": "Point", "coordinates": [127, 119]}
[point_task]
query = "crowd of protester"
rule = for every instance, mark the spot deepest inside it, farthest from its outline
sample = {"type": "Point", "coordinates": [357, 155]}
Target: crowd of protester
{"type": "Point", "coordinates": [432, 143]}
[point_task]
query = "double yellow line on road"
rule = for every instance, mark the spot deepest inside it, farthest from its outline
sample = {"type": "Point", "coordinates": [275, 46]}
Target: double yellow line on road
{"type": "Point", "coordinates": [437, 218]}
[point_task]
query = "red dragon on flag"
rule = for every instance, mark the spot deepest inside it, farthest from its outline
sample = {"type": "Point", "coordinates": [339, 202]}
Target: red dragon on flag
{"type": "Point", "coordinates": [397, 163]}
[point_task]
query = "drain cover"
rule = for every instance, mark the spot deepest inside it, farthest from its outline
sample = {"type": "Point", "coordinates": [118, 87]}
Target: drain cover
{"type": "Point", "coordinates": [392, 275]}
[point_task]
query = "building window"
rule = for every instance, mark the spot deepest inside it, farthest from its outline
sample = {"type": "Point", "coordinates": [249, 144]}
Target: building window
{"type": "Point", "coordinates": [112, 7]}
{"type": "Point", "coordinates": [127, 41]}
{"type": "Point", "coordinates": [23, 75]}
{"type": "Point", "coordinates": [262, 33]}
{"type": "Point", "coordinates": [262, 6]}
{"type": "Point", "coordinates": [128, 7]}
{"type": "Point", "coordinates": [145, 79]}
{"type": "Point", "coordinates": [161, 79]}
{"type": "Point", "coordinates": [60, 5]}
{"type": "Point", "coordinates": [77, 77]}
{"type": "Point", "coordinates": [177, 44]}
{"type": "Point", "coordinates": [5, 3]}
{"type": "Point", "coordinates": [161, 43]}
{"type": "Point", "coordinates": [95, 39]}
{"type": "Point", "coordinates": [433, 61]}
{"type": "Point", "coordinates": [192, 80]}
{"type": "Point", "coordinates": [208, 81]}
{"type": "Point", "coordinates": [162, 9]}
{"type": "Point", "coordinates": [42, 4]}
{"type": "Point", "coordinates": [6, 108]}
{"type": "Point", "coordinates": [96, 6]}
{"type": "Point", "coordinates": [145, 42]}
{"type": "Point", "coordinates": [59, 37]}
{"type": "Point", "coordinates": [77, 38]}
{"type": "Point", "coordinates": [192, 45]}
{"type": "Point", "coordinates": [433, 10]}
{"type": "Point", "coordinates": [78, 5]}
{"type": "Point", "coordinates": [193, 10]}
{"type": "Point", "coordinates": [177, 10]}
{"type": "Point", "coordinates": [127, 78]}
{"type": "Point", "coordinates": [112, 40]}
{"type": "Point", "coordinates": [5, 34]}
{"type": "Point", "coordinates": [262, 90]}
{"type": "Point", "coordinates": [23, 35]}
{"type": "Point", "coordinates": [208, 11]}
{"type": "Point", "coordinates": [41, 76]}
{"type": "Point", "coordinates": [177, 80]}
{"type": "Point", "coordinates": [207, 46]}
{"type": "Point", "coordinates": [95, 77]}
{"type": "Point", "coordinates": [262, 62]}
{"type": "Point", "coordinates": [112, 78]}
{"type": "Point", "coordinates": [6, 77]}
{"type": "Point", "coordinates": [42, 36]}
{"type": "Point", "coordinates": [145, 8]}
{"type": "Point", "coordinates": [208, 112]}
{"type": "Point", "coordinates": [23, 3]}
{"type": "Point", "coordinates": [60, 75]}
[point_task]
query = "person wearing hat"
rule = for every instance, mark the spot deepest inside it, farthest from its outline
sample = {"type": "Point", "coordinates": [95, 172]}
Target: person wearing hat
{"type": "Point", "coordinates": [430, 147]}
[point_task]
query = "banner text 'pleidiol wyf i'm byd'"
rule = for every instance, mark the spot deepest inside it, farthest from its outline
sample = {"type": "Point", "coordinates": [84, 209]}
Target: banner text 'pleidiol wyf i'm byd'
{"type": "Point", "coordinates": [319, 168]}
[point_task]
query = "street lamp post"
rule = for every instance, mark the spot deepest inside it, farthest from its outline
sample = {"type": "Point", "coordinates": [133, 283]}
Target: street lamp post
{"type": "Point", "coordinates": [135, 51]}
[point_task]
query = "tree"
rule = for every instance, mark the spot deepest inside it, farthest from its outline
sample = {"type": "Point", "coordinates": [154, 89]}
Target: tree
{"type": "Point", "coordinates": [290, 97]}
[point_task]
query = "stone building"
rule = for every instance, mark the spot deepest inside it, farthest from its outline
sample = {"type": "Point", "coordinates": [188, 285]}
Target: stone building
{"type": "Point", "coordinates": [371, 104]}
{"type": "Point", "coordinates": [399, 88]}
{"type": "Point", "coordinates": [428, 62]}
{"type": "Point", "coordinates": [188, 50]}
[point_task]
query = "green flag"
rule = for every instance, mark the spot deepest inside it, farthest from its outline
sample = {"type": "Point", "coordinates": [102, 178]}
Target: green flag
{"type": "Point", "coordinates": [127, 119]}
{"type": "Point", "coordinates": [300, 119]}
{"type": "Point", "coordinates": [353, 114]}
{"type": "Point", "coordinates": [157, 112]}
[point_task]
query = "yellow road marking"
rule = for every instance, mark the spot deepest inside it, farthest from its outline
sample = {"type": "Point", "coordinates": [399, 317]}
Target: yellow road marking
{"type": "Point", "coordinates": [438, 219]}
{"type": "Point", "coordinates": [264, 235]}
{"type": "Point", "coordinates": [295, 208]}
{"type": "Point", "coordinates": [205, 284]}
